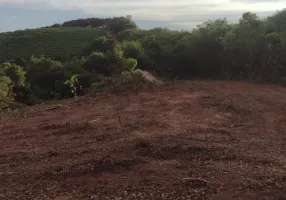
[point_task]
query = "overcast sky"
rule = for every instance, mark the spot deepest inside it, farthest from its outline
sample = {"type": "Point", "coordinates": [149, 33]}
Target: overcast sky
{"type": "Point", "coordinates": [178, 14]}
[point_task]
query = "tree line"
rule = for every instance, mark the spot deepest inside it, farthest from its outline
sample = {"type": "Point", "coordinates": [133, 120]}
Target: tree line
{"type": "Point", "coordinates": [252, 49]}
{"type": "Point", "coordinates": [115, 24]}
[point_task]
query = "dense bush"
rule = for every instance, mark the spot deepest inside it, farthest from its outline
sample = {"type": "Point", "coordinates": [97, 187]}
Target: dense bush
{"type": "Point", "coordinates": [42, 73]}
{"type": "Point", "coordinates": [14, 72]}
{"type": "Point", "coordinates": [101, 44]}
{"type": "Point", "coordinates": [132, 49]}
{"type": "Point", "coordinates": [6, 95]}
{"type": "Point", "coordinates": [73, 66]}
{"type": "Point", "coordinates": [129, 64]}
{"type": "Point", "coordinates": [97, 62]}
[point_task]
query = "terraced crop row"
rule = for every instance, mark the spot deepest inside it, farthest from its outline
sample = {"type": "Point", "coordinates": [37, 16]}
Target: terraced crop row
{"type": "Point", "coordinates": [51, 42]}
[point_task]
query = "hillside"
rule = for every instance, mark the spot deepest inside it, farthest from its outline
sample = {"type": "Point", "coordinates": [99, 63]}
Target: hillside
{"type": "Point", "coordinates": [193, 140]}
{"type": "Point", "coordinates": [51, 42]}
{"type": "Point", "coordinates": [253, 49]}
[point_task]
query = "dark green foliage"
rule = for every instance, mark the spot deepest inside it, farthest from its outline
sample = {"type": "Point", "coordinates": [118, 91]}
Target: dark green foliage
{"type": "Point", "coordinates": [114, 25]}
{"type": "Point", "coordinates": [118, 24]}
{"type": "Point", "coordinates": [25, 95]}
{"type": "Point", "coordinates": [6, 94]}
{"type": "Point", "coordinates": [97, 62]}
{"type": "Point", "coordinates": [129, 64]}
{"type": "Point", "coordinates": [252, 49]}
{"type": "Point", "coordinates": [20, 62]}
{"type": "Point", "coordinates": [277, 22]}
{"type": "Point", "coordinates": [14, 72]}
{"type": "Point", "coordinates": [59, 43]}
{"type": "Point", "coordinates": [63, 90]}
{"type": "Point", "coordinates": [73, 66]}
{"type": "Point", "coordinates": [14, 85]}
{"type": "Point", "coordinates": [130, 35]}
{"type": "Point", "coordinates": [101, 44]}
{"type": "Point", "coordinates": [132, 49]}
{"type": "Point", "coordinates": [42, 73]}
{"type": "Point", "coordinates": [80, 83]}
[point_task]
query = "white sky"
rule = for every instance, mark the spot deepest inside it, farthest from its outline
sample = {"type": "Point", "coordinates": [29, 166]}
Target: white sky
{"type": "Point", "coordinates": [171, 11]}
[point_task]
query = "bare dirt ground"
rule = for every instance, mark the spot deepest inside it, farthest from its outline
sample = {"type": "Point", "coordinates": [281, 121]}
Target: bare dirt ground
{"type": "Point", "coordinates": [193, 140]}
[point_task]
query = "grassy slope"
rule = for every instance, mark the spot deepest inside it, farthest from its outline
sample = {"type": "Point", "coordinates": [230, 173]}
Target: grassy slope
{"type": "Point", "coordinates": [51, 42]}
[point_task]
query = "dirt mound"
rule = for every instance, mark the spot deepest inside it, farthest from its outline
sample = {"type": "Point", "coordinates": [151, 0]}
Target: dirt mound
{"type": "Point", "coordinates": [148, 77]}
{"type": "Point", "coordinates": [193, 140]}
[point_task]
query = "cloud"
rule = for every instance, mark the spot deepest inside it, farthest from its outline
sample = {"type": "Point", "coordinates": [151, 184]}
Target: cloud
{"type": "Point", "coordinates": [180, 12]}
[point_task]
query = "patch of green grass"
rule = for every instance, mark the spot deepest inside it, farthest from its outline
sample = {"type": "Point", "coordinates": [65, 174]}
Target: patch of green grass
{"type": "Point", "coordinates": [51, 42]}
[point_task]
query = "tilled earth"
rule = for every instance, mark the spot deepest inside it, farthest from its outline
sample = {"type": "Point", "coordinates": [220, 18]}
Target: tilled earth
{"type": "Point", "coordinates": [193, 140]}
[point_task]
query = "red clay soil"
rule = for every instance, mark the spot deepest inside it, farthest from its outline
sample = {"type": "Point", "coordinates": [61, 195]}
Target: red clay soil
{"type": "Point", "coordinates": [193, 140]}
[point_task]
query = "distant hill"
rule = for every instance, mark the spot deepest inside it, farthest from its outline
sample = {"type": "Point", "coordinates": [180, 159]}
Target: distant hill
{"type": "Point", "coordinates": [51, 42]}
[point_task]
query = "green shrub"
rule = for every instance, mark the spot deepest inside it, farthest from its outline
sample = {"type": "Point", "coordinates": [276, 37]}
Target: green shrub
{"type": "Point", "coordinates": [42, 73]}
{"type": "Point", "coordinates": [25, 95]}
{"type": "Point", "coordinates": [63, 90]}
{"type": "Point", "coordinates": [129, 64]}
{"type": "Point", "coordinates": [83, 82]}
{"type": "Point", "coordinates": [102, 44]}
{"type": "Point", "coordinates": [6, 94]}
{"type": "Point", "coordinates": [14, 72]}
{"type": "Point", "coordinates": [97, 62]}
{"type": "Point", "coordinates": [73, 66]}
{"type": "Point", "coordinates": [132, 49]}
